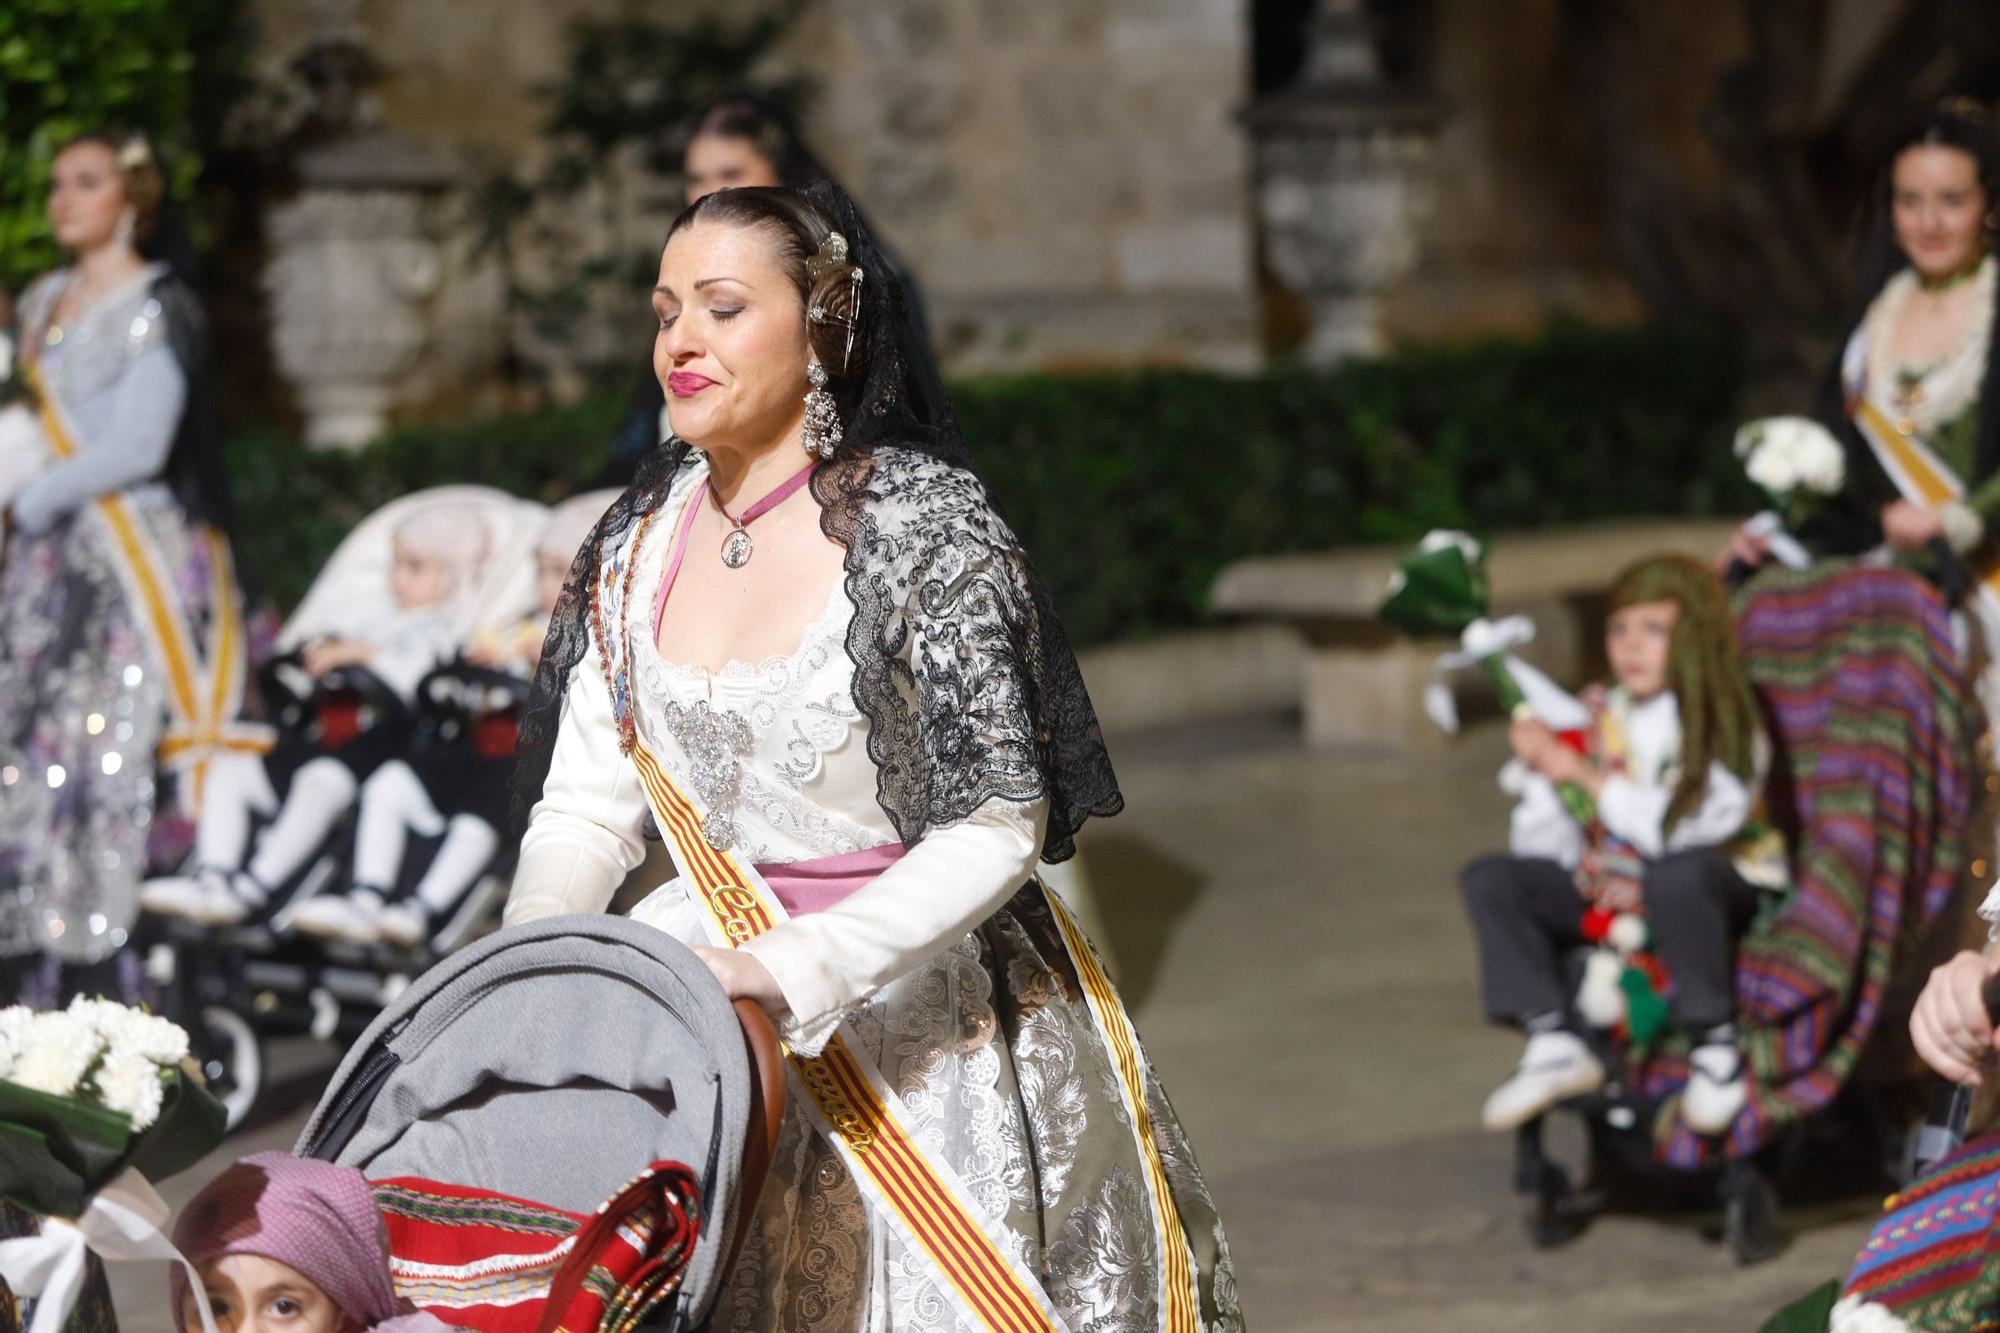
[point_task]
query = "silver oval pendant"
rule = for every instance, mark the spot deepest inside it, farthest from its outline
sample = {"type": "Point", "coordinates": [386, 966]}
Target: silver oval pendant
{"type": "Point", "coordinates": [736, 548]}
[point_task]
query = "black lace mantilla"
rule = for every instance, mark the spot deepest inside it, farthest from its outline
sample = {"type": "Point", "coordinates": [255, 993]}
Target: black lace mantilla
{"type": "Point", "coordinates": [961, 667]}
{"type": "Point", "coordinates": [960, 664]}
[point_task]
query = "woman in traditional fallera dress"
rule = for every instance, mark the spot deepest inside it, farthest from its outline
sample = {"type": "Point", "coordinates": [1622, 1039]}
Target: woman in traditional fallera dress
{"type": "Point", "coordinates": [113, 346]}
{"type": "Point", "coordinates": [113, 343]}
{"type": "Point", "coordinates": [830, 676]}
{"type": "Point", "coordinates": [1909, 394]}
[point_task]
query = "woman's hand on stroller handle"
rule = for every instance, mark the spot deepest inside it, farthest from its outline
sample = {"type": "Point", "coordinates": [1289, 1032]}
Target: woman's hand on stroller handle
{"type": "Point", "coordinates": [1954, 1022]}
{"type": "Point", "coordinates": [743, 977]}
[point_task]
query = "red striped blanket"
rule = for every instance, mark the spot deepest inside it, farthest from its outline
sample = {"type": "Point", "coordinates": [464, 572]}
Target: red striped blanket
{"type": "Point", "coordinates": [505, 1265]}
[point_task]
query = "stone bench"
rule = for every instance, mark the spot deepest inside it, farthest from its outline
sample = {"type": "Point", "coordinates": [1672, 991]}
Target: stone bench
{"type": "Point", "coordinates": [1362, 681]}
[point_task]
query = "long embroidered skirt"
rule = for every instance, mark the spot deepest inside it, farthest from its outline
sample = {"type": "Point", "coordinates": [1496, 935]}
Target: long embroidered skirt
{"type": "Point", "coordinates": [1003, 1073]}
{"type": "Point", "coordinates": [82, 709]}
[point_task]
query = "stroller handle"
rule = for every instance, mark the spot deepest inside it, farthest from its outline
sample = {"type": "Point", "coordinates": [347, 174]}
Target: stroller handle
{"type": "Point", "coordinates": [1943, 1129]}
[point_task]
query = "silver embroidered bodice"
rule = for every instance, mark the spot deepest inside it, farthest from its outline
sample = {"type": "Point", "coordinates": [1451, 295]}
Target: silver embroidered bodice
{"type": "Point", "coordinates": [93, 351]}
{"type": "Point", "coordinates": [775, 751]}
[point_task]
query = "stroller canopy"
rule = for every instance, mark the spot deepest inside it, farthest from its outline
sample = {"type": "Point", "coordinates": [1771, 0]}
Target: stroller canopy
{"type": "Point", "coordinates": [355, 577]}
{"type": "Point", "coordinates": [552, 1062]}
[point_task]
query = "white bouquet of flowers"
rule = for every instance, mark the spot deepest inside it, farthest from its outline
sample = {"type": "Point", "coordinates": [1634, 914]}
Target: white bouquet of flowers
{"type": "Point", "coordinates": [1797, 463]}
{"type": "Point", "coordinates": [96, 1102]}
{"type": "Point", "coordinates": [116, 1057]}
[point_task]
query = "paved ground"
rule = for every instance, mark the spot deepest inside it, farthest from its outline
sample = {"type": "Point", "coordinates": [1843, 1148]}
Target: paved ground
{"type": "Point", "coordinates": [1287, 926]}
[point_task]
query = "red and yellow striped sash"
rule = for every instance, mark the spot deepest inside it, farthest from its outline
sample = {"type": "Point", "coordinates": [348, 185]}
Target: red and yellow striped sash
{"type": "Point", "coordinates": [1179, 1304]}
{"type": "Point", "coordinates": [855, 1107]}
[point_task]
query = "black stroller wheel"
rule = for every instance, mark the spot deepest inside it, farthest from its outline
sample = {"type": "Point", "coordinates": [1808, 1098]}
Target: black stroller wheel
{"type": "Point", "coordinates": [1552, 1216]}
{"type": "Point", "coordinates": [231, 1060]}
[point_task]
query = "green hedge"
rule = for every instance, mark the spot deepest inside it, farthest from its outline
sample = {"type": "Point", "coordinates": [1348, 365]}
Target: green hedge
{"type": "Point", "coordinates": [1133, 490]}
{"type": "Point", "coordinates": [294, 504]}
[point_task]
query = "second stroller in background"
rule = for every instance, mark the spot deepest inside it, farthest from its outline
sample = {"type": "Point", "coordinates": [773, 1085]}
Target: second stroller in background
{"type": "Point", "coordinates": [312, 910]}
{"type": "Point", "coordinates": [453, 785]}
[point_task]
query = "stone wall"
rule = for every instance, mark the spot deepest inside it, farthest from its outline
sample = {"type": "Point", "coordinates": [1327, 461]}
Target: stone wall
{"type": "Point", "coordinates": [1518, 227]}
{"type": "Point", "coordinates": [1066, 181]}
{"type": "Point", "coordinates": [1070, 183]}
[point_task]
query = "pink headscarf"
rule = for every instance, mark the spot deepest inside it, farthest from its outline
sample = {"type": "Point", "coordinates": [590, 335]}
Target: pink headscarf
{"type": "Point", "coordinates": [316, 1217]}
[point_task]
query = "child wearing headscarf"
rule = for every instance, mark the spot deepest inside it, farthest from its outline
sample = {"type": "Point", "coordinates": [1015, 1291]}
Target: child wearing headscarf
{"type": "Point", "coordinates": [388, 637]}
{"type": "Point", "coordinates": [1666, 863]}
{"type": "Point", "coordinates": [282, 1243]}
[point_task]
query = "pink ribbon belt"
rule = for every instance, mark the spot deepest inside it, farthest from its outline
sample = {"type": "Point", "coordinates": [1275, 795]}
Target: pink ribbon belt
{"type": "Point", "coordinates": [805, 887]}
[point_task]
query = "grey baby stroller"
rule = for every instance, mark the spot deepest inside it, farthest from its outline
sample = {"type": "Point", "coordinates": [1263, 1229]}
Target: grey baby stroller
{"type": "Point", "coordinates": [549, 1063]}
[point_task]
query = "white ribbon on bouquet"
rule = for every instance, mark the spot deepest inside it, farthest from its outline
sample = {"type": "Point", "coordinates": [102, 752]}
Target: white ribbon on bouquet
{"type": "Point", "coordinates": [1782, 545]}
{"type": "Point", "coordinates": [1480, 640]}
{"type": "Point", "coordinates": [123, 1222]}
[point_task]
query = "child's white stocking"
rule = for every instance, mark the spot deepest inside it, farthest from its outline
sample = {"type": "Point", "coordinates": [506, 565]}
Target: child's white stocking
{"type": "Point", "coordinates": [321, 793]}
{"type": "Point", "coordinates": [236, 789]}
{"type": "Point", "coordinates": [393, 803]}
{"type": "Point", "coordinates": [468, 847]}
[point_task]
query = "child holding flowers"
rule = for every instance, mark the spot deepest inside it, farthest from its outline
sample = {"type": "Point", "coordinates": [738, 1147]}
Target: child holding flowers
{"type": "Point", "coordinates": [1670, 763]}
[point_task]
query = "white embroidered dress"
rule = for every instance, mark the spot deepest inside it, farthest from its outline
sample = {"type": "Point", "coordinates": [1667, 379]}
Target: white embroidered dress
{"type": "Point", "coordinates": [951, 976]}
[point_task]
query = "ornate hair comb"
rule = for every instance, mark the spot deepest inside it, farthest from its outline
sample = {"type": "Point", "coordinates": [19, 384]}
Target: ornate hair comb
{"type": "Point", "coordinates": [135, 153]}
{"type": "Point", "coordinates": [829, 259]}
{"type": "Point", "coordinates": [831, 255]}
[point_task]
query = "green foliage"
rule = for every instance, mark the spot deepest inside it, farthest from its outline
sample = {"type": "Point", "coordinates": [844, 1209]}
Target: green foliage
{"type": "Point", "coordinates": [68, 67]}
{"type": "Point", "coordinates": [630, 91]}
{"type": "Point", "coordinates": [1133, 490]}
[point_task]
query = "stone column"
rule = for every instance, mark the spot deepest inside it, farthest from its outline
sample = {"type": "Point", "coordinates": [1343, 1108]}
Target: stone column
{"type": "Point", "coordinates": [357, 260]}
{"type": "Point", "coordinates": [362, 247]}
{"type": "Point", "coordinates": [1342, 164]}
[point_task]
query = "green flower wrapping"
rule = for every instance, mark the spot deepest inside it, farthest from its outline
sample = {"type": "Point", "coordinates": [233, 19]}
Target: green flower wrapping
{"type": "Point", "coordinates": [56, 1152]}
{"type": "Point", "coordinates": [1441, 588]}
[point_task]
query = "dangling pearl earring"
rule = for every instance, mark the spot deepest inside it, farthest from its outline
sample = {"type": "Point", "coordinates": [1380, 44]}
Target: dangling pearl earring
{"type": "Point", "coordinates": [127, 228]}
{"type": "Point", "coordinates": [821, 435]}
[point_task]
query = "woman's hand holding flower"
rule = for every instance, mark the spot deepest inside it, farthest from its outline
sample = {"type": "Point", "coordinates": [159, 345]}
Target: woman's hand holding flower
{"type": "Point", "coordinates": [1908, 527]}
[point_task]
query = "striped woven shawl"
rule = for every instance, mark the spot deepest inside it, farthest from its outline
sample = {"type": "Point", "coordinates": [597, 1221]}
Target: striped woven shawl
{"type": "Point", "coordinates": [1865, 703]}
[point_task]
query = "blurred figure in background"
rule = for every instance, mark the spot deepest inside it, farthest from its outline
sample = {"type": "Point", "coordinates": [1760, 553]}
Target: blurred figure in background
{"type": "Point", "coordinates": [120, 627]}
{"type": "Point", "coordinates": [1667, 845]}
{"type": "Point", "coordinates": [361, 672]}
{"type": "Point", "coordinates": [1914, 371]}
{"type": "Point", "coordinates": [453, 787]}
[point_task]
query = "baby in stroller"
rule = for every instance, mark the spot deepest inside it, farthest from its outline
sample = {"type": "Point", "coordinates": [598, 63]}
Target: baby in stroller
{"type": "Point", "coordinates": [453, 784]}
{"type": "Point", "coordinates": [1638, 829]}
{"type": "Point", "coordinates": [353, 676]}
